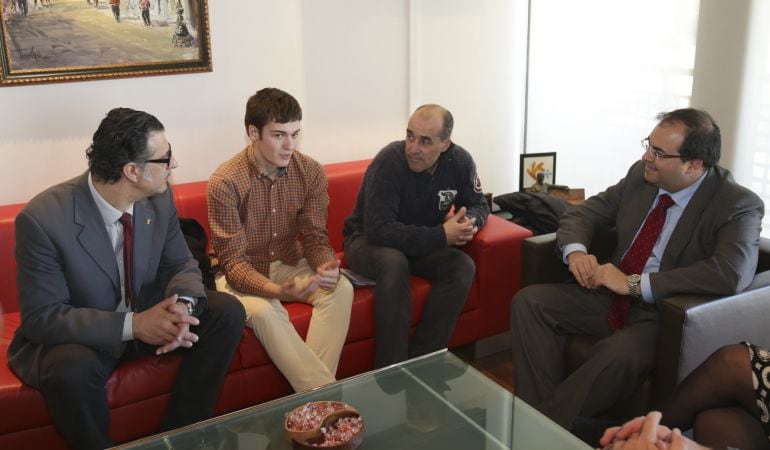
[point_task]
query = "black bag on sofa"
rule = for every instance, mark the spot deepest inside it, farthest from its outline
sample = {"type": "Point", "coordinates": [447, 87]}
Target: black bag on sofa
{"type": "Point", "coordinates": [197, 241]}
{"type": "Point", "coordinates": [538, 212]}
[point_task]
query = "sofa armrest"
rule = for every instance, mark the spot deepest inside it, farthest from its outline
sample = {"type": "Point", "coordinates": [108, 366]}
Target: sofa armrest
{"type": "Point", "coordinates": [692, 327]}
{"type": "Point", "coordinates": [496, 251]}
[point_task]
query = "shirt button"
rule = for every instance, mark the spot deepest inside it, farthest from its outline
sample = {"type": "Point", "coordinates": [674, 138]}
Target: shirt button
{"type": "Point", "coordinates": [272, 253]}
{"type": "Point", "coordinates": [273, 209]}
{"type": "Point", "coordinates": [275, 234]}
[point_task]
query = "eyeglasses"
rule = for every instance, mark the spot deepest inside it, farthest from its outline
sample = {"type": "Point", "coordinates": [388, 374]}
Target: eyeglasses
{"type": "Point", "coordinates": [165, 160]}
{"type": "Point", "coordinates": [657, 153]}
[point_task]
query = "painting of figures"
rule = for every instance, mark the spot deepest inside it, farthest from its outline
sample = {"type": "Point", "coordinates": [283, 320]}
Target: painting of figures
{"type": "Point", "coordinates": [75, 40]}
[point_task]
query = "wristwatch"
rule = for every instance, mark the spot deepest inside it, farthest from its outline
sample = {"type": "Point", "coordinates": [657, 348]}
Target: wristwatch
{"type": "Point", "coordinates": [188, 304]}
{"type": "Point", "coordinates": [633, 285]}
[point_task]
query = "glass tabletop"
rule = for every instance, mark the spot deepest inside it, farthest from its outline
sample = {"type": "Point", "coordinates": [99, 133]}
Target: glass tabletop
{"type": "Point", "coordinates": [435, 401]}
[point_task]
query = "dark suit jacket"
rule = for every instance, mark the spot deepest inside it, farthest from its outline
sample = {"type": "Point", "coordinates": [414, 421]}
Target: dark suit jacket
{"type": "Point", "coordinates": [712, 250]}
{"type": "Point", "coordinates": [68, 280]}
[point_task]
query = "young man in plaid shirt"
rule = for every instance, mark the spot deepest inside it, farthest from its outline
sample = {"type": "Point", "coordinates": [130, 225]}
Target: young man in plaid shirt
{"type": "Point", "coordinates": [267, 209]}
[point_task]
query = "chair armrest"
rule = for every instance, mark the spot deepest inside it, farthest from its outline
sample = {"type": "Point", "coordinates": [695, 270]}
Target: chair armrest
{"type": "Point", "coordinates": [539, 263]}
{"type": "Point", "coordinates": [496, 252]}
{"type": "Point", "coordinates": [692, 327]}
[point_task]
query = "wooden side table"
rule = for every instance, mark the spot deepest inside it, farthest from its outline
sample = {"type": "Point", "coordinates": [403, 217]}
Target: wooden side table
{"type": "Point", "coordinates": [574, 196]}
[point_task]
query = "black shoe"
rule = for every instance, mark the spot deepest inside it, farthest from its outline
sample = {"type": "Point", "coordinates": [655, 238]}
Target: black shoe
{"type": "Point", "coordinates": [590, 430]}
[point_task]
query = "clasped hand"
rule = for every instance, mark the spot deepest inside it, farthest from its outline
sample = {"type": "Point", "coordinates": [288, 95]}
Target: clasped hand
{"type": "Point", "coordinates": [167, 324]}
{"type": "Point", "coordinates": [304, 288]}
{"type": "Point", "coordinates": [592, 275]}
{"type": "Point", "coordinates": [330, 275]}
{"type": "Point", "coordinates": [646, 433]}
{"type": "Point", "coordinates": [459, 228]}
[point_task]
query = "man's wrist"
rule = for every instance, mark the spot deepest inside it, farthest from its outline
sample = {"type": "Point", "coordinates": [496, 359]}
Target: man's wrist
{"type": "Point", "coordinates": [273, 290]}
{"type": "Point", "coordinates": [188, 304]}
{"type": "Point", "coordinates": [634, 285]}
{"type": "Point", "coordinates": [128, 327]}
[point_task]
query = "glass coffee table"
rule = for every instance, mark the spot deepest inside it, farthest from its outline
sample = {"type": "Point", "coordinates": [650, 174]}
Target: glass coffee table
{"type": "Point", "coordinates": [435, 401]}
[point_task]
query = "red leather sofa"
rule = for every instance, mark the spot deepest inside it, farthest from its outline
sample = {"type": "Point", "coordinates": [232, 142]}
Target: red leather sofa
{"type": "Point", "coordinates": [138, 391]}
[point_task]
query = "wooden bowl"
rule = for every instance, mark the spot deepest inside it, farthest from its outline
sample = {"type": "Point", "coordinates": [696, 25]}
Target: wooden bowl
{"type": "Point", "coordinates": [318, 417]}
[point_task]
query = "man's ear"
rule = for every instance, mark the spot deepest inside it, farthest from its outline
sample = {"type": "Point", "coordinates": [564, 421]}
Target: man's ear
{"type": "Point", "coordinates": [695, 166]}
{"type": "Point", "coordinates": [253, 133]}
{"type": "Point", "coordinates": [132, 171]}
{"type": "Point", "coordinates": [446, 144]}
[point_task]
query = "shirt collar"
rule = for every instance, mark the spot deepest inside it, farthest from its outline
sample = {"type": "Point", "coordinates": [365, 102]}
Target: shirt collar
{"type": "Point", "coordinates": [683, 197]}
{"type": "Point", "coordinates": [252, 157]}
{"type": "Point", "coordinates": [109, 214]}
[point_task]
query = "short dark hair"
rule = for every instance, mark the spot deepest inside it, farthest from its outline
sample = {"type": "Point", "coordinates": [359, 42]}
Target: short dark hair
{"type": "Point", "coordinates": [446, 116]}
{"type": "Point", "coordinates": [271, 105]}
{"type": "Point", "coordinates": [120, 139]}
{"type": "Point", "coordinates": [703, 140]}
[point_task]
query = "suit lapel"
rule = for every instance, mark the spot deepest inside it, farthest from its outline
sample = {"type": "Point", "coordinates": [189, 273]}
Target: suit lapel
{"type": "Point", "coordinates": [685, 228]}
{"type": "Point", "coordinates": [637, 212]}
{"type": "Point", "coordinates": [144, 224]}
{"type": "Point", "coordinates": [93, 235]}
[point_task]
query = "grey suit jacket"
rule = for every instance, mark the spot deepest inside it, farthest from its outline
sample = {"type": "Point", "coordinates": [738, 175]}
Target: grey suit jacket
{"type": "Point", "coordinates": [712, 250]}
{"type": "Point", "coordinates": [68, 280]}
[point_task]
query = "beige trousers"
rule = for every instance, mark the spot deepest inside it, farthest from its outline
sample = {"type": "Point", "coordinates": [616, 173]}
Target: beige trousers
{"type": "Point", "coordinates": [305, 364]}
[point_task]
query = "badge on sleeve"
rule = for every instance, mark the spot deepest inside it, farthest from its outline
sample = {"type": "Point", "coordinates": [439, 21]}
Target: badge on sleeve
{"type": "Point", "coordinates": [476, 184]}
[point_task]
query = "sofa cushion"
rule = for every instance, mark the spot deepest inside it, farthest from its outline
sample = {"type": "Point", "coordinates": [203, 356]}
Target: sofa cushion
{"type": "Point", "coordinates": [26, 403]}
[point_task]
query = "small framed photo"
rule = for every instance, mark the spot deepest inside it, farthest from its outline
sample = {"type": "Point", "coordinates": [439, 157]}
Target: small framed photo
{"type": "Point", "coordinates": [532, 164]}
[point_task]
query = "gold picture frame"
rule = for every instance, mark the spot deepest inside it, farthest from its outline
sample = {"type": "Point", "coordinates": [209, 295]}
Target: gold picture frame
{"type": "Point", "coordinates": [50, 41]}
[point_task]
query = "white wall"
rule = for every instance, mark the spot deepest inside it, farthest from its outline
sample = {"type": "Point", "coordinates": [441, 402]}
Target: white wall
{"type": "Point", "coordinates": [732, 81]}
{"type": "Point", "coordinates": [599, 72]}
{"type": "Point", "coordinates": [471, 57]}
{"type": "Point", "coordinates": [720, 63]}
{"type": "Point", "coordinates": [346, 61]}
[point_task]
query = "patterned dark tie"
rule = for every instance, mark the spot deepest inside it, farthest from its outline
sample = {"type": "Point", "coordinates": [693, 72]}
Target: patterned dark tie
{"type": "Point", "coordinates": [636, 258]}
{"type": "Point", "coordinates": [128, 245]}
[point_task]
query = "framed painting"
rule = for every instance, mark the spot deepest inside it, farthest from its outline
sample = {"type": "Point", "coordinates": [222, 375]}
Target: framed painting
{"type": "Point", "coordinates": [534, 166]}
{"type": "Point", "coordinates": [46, 41]}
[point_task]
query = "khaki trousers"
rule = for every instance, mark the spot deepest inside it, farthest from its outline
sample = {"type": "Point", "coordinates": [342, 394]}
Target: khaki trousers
{"type": "Point", "coordinates": [305, 364]}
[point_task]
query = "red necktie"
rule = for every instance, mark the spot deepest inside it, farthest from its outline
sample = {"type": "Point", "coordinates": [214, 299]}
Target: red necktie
{"type": "Point", "coordinates": [636, 258]}
{"type": "Point", "coordinates": [128, 245]}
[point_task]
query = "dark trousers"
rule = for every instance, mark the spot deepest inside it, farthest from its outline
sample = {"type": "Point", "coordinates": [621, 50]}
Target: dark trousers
{"type": "Point", "coordinates": [451, 272]}
{"type": "Point", "coordinates": [146, 16]}
{"type": "Point", "coordinates": [74, 377]}
{"type": "Point", "coordinates": [542, 315]}
{"type": "Point", "coordinates": [116, 12]}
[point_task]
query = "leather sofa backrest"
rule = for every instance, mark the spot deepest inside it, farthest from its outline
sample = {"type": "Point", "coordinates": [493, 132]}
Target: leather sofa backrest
{"type": "Point", "coordinates": [344, 183]}
{"type": "Point", "coordinates": [8, 292]}
{"type": "Point", "coordinates": [190, 198]}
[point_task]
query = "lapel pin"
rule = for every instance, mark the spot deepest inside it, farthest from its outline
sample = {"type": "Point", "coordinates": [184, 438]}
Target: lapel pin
{"type": "Point", "coordinates": [149, 221]}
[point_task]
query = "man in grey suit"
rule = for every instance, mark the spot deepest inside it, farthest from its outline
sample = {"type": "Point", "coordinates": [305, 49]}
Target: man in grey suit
{"type": "Point", "coordinates": [705, 241]}
{"type": "Point", "coordinates": [88, 303]}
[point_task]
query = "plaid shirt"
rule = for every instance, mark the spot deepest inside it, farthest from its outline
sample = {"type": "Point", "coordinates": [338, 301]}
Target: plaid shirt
{"type": "Point", "coordinates": [255, 220]}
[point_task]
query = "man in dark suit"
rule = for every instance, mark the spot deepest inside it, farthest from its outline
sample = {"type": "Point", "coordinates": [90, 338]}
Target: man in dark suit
{"type": "Point", "coordinates": [683, 226]}
{"type": "Point", "coordinates": [84, 297]}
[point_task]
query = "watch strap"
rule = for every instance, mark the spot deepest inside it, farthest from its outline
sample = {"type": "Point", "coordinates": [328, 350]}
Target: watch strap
{"type": "Point", "coordinates": [188, 304]}
{"type": "Point", "coordinates": [634, 282]}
